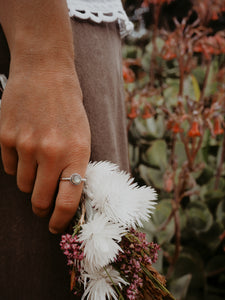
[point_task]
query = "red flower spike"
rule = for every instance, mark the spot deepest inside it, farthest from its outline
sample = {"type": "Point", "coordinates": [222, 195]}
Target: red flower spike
{"type": "Point", "coordinates": [198, 48]}
{"type": "Point", "coordinates": [133, 112]}
{"type": "Point", "coordinates": [194, 131]}
{"type": "Point", "coordinates": [128, 75]}
{"type": "Point", "coordinates": [176, 128]}
{"type": "Point", "coordinates": [169, 55]}
{"type": "Point", "coordinates": [217, 127]}
{"type": "Point", "coordinates": [147, 112]}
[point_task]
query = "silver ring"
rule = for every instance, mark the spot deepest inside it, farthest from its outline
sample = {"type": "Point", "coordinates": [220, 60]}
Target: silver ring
{"type": "Point", "coordinates": [75, 179]}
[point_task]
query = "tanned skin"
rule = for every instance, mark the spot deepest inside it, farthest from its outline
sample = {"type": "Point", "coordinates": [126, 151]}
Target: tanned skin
{"type": "Point", "coordinates": [44, 130]}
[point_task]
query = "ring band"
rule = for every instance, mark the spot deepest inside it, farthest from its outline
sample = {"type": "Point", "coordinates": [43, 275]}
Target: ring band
{"type": "Point", "coordinates": [75, 179]}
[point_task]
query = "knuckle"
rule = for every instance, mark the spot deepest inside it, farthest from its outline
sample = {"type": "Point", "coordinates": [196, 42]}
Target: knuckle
{"type": "Point", "coordinates": [26, 144]}
{"type": "Point", "coordinates": [51, 149]}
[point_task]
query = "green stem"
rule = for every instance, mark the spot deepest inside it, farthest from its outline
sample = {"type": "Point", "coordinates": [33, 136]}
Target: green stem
{"type": "Point", "coordinates": [220, 166]}
{"type": "Point", "coordinates": [181, 69]}
{"type": "Point", "coordinates": [157, 283]}
{"type": "Point", "coordinates": [205, 80]}
{"type": "Point", "coordinates": [157, 9]}
{"type": "Point", "coordinates": [187, 151]}
{"type": "Point", "coordinates": [116, 288]}
{"type": "Point", "coordinates": [76, 229]}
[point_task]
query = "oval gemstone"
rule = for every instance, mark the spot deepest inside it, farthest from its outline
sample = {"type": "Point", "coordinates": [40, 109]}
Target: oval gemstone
{"type": "Point", "coordinates": [75, 179]}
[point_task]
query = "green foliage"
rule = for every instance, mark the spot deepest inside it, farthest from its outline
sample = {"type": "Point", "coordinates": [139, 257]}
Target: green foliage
{"type": "Point", "coordinates": [179, 149]}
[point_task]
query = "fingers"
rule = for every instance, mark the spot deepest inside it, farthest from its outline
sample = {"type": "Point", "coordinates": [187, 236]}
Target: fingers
{"type": "Point", "coordinates": [44, 136]}
{"type": "Point", "coordinates": [26, 173]}
{"type": "Point", "coordinates": [67, 201]}
{"type": "Point", "coordinates": [40, 174]}
{"type": "Point", "coordinates": [21, 163]}
{"type": "Point", "coordinates": [9, 159]}
{"type": "Point", "coordinates": [45, 188]}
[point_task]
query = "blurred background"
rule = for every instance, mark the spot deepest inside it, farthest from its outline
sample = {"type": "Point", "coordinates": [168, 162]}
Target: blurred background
{"type": "Point", "coordinates": [174, 73]}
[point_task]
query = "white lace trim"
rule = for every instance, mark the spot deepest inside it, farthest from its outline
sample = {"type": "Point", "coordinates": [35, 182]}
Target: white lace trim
{"type": "Point", "coordinates": [101, 11]}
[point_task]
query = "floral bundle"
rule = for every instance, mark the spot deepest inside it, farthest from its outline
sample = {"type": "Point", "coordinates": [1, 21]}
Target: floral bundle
{"type": "Point", "coordinates": [108, 257]}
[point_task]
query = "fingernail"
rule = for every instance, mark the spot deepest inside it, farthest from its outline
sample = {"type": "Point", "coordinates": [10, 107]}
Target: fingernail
{"type": "Point", "coordinates": [52, 230]}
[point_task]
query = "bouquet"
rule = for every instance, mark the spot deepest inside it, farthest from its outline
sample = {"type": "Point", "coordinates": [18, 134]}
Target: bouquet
{"type": "Point", "coordinates": [108, 257]}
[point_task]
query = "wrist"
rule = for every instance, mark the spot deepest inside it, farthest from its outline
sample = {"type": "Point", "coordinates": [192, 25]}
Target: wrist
{"type": "Point", "coordinates": [44, 59]}
{"type": "Point", "coordinates": [28, 50]}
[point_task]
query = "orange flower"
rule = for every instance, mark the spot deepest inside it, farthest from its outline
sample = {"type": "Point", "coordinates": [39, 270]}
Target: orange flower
{"type": "Point", "coordinates": [211, 45]}
{"type": "Point", "coordinates": [220, 40]}
{"type": "Point", "coordinates": [147, 112]}
{"type": "Point", "coordinates": [128, 74]}
{"type": "Point", "coordinates": [194, 131]}
{"type": "Point", "coordinates": [133, 112]}
{"type": "Point", "coordinates": [198, 48]}
{"type": "Point", "coordinates": [169, 55]}
{"type": "Point", "coordinates": [217, 126]}
{"type": "Point", "coordinates": [176, 128]}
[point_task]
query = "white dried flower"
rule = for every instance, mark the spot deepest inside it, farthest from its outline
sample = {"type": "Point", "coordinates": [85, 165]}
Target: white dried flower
{"type": "Point", "coordinates": [113, 194]}
{"type": "Point", "coordinates": [95, 172]}
{"type": "Point", "coordinates": [100, 238]}
{"type": "Point", "coordinates": [99, 286]}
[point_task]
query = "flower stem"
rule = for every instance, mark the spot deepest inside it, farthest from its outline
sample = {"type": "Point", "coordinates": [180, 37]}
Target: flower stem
{"type": "Point", "coordinates": [76, 229]}
{"type": "Point", "coordinates": [116, 288]}
{"type": "Point", "coordinates": [83, 210]}
{"type": "Point", "coordinates": [220, 165]}
{"type": "Point", "coordinates": [157, 9]}
{"type": "Point", "coordinates": [157, 284]}
{"type": "Point", "coordinates": [205, 80]}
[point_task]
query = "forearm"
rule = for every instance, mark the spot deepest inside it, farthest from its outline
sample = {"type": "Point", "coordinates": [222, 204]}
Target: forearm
{"type": "Point", "coordinates": [47, 135]}
{"type": "Point", "coordinates": [37, 30]}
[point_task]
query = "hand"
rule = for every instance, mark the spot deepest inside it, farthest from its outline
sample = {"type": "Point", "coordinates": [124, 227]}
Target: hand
{"type": "Point", "coordinates": [44, 134]}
